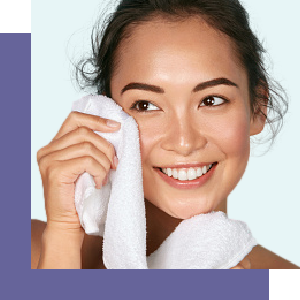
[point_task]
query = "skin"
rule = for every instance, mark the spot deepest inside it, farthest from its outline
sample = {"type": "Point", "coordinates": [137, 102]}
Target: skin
{"type": "Point", "coordinates": [177, 131]}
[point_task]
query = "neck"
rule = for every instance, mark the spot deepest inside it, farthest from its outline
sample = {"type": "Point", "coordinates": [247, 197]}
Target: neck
{"type": "Point", "coordinates": [160, 224]}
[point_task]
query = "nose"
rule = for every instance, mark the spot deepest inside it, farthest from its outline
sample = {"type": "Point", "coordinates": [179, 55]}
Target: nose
{"type": "Point", "coordinates": [183, 136]}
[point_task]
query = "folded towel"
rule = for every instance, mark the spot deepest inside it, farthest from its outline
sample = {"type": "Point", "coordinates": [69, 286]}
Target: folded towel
{"type": "Point", "coordinates": [117, 211]}
{"type": "Point", "coordinates": [205, 241]}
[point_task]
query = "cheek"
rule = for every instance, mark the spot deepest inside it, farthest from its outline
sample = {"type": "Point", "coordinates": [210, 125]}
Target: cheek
{"type": "Point", "coordinates": [236, 139]}
{"type": "Point", "coordinates": [234, 144]}
{"type": "Point", "coordinates": [233, 135]}
{"type": "Point", "coordinates": [150, 132]}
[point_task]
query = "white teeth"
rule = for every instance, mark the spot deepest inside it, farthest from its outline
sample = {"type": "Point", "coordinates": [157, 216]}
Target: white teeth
{"type": "Point", "coordinates": [175, 174]}
{"type": "Point", "coordinates": [182, 175]}
{"type": "Point", "coordinates": [186, 174]}
{"type": "Point", "coordinates": [192, 174]}
{"type": "Point", "coordinates": [169, 171]}
{"type": "Point", "coordinates": [199, 171]}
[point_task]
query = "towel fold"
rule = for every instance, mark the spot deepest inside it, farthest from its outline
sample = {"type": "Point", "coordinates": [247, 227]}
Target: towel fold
{"type": "Point", "coordinates": [205, 241]}
{"type": "Point", "coordinates": [117, 211]}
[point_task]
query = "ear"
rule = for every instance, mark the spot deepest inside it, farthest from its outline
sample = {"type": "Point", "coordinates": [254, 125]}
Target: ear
{"type": "Point", "coordinates": [259, 116]}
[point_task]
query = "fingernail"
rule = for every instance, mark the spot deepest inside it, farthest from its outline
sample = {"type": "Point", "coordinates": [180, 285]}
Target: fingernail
{"type": "Point", "coordinates": [104, 182]}
{"type": "Point", "coordinates": [113, 124]}
{"type": "Point", "coordinates": [115, 161]}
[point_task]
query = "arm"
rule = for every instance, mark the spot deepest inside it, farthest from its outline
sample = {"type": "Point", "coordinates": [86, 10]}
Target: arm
{"type": "Point", "coordinates": [55, 248]}
{"type": "Point", "coordinates": [75, 149]}
{"type": "Point", "coordinates": [37, 229]}
{"type": "Point", "coordinates": [61, 249]}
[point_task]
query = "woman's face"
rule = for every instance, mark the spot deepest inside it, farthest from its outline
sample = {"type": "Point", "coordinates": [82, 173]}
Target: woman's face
{"type": "Point", "coordinates": [193, 111]}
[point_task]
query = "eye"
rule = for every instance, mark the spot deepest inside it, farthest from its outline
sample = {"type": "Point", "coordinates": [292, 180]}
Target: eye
{"type": "Point", "coordinates": [143, 106]}
{"type": "Point", "coordinates": [213, 101]}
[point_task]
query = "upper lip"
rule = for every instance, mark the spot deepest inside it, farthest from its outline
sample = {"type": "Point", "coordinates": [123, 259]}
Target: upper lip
{"type": "Point", "coordinates": [191, 165]}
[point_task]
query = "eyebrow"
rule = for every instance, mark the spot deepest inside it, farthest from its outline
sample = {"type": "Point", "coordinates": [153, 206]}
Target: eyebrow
{"type": "Point", "coordinates": [217, 81]}
{"type": "Point", "coordinates": [157, 89]}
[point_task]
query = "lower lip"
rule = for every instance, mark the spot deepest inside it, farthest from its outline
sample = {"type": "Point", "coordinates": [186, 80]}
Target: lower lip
{"type": "Point", "coordinates": [187, 184]}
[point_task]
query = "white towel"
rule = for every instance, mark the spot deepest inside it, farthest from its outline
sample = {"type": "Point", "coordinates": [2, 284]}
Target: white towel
{"type": "Point", "coordinates": [205, 241]}
{"type": "Point", "coordinates": [117, 211]}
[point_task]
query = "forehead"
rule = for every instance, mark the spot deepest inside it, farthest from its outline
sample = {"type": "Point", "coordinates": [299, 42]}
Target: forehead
{"type": "Point", "coordinates": [181, 49]}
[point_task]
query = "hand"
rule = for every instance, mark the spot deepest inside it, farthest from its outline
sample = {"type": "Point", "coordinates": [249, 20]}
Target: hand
{"type": "Point", "coordinates": [244, 264]}
{"type": "Point", "coordinates": [75, 149]}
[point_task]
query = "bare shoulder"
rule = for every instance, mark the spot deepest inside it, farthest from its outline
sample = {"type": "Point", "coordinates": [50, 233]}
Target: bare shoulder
{"type": "Point", "coordinates": [37, 229]}
{"type": "Point", "coordinates": [262, 258]}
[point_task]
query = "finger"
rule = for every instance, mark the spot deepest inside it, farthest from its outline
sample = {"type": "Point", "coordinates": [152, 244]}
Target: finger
{"type": "Point", "coordinates": [239, 266]}
{"type": "Point", "coordinates": [77, 150]}
{"type": "Point", "coordinates": [77, 136]}
{"type": "Point", "coordinates": [246, 263]}
{"type": "Point", "coordinates": [243, 264]}
{"type": "Point", "coordinates": [77, 119]}
{"type": "Point", "coordinates": [68, 171]}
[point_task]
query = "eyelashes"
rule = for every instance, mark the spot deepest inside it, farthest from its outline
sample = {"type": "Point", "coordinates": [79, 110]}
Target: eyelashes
{"type": "Point", "coordinates": [213, 101]}
{"type": "Point", "coordinates": [143, 104]}
{"type": "Point", "coordinates": [210, 101]}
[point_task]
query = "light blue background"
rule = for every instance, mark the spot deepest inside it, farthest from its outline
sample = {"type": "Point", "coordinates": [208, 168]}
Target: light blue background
{"type": "Point", "coordinates": [267, 198]}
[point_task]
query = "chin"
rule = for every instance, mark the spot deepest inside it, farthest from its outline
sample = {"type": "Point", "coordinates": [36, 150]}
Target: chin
{"type": "Point", "coordinates": [184, 210]}
{"type": "Point", "coordinates": [184, 215]}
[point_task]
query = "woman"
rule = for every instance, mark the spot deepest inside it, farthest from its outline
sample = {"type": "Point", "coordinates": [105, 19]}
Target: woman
{"type": "Point", "coordinates": [191, 74]}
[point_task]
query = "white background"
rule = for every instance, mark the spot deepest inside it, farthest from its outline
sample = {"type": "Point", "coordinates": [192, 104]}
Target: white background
{"type": "Point", "coordinates": [15, 16]}
{"type": "Point", "coordinates": [267, 198]}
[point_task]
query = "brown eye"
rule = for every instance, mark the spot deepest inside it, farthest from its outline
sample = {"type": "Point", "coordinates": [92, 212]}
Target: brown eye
{"type": "Point", "coordinates": [143, 106]}
{"type": "Point", "coordinates": [213, 101]}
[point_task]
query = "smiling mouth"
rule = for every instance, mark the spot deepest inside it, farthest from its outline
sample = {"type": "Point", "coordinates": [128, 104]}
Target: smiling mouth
{"type": "Point", "coordinates": [186, 174]}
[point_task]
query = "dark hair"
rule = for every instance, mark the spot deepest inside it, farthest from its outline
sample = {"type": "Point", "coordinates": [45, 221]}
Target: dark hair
{"type": "Point", "coordinates": [228, 16]}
